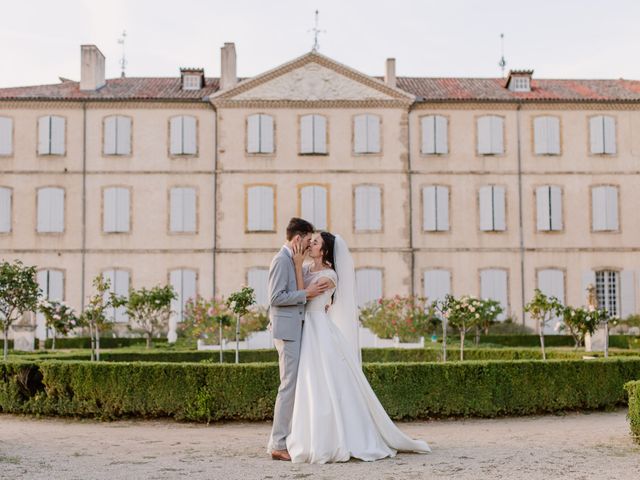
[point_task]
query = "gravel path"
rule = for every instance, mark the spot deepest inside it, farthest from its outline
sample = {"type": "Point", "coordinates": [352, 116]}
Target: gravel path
{"type": "Point", "coordinates": [572, 446]}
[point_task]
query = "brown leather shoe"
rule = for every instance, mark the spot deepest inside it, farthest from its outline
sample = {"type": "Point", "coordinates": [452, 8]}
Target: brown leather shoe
{"type": "Point", "coordinates": [280, 455]}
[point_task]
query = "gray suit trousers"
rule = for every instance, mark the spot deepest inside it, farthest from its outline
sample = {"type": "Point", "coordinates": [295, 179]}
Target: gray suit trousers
{"type": "Point", "coordinates": [289, 356]}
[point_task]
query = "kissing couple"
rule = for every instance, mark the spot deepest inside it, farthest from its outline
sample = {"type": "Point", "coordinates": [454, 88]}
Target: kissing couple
{"type": "Point", "coordinates": [325, 409]}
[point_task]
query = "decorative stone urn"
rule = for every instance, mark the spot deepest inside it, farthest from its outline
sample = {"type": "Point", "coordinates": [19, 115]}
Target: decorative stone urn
{"type": "Point", "coordinates": [24, 333]}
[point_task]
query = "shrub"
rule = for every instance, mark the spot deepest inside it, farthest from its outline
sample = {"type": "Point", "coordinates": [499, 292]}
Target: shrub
{"type": "Point", "coordinates": [633, 390]}
{"type": "Point", "coordinates": [203, 393]}
{"type": "Point", "coordinates": [407, 318]}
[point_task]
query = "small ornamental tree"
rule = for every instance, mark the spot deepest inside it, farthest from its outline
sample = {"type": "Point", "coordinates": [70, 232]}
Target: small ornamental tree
{"type": "Point", "coordinates": [94, 315]}
{"type": "Point", "coordinates": [463, 314]}
{"type": "Point", "coordinates": [542, 309]}
{"type": "Point", "coordinates": [59, 317]}
{"type": "Point", "coordinates": [579, 321]}
{"type": "Point", "coordinates": [239, 303]}
{"type": "Point", "coordinates": [489, 310]}
{"type": "Point", "coordinates": [150, 309]}
{"type": "Point", "coordinates": [18, 294]}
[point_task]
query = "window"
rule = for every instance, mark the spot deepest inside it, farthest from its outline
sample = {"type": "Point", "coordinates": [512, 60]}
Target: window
{"type": "Point", "coordinates": [260, 209]}
{"type": "Point", "coordinates": [183, 210]}
{"type": "Point", "coordinates": [490, 135]}
{"type": "Point", "coordinates": [119, 282]}
{"type": "Point", "coordinates": [607, 291]}
{"type": "Point", "coordinates": [368, 285]}
{"type": "Point", "coordinates": [116, 209]}
{"type": "Point", "coordinates": [51, 135]}
{"type": "Point", "coordinates": [437, 284]}
{"type": "Point", "coordinates": [366, 134]}
{"type": "Point", "coordinates": [117, 135]}
{"type": "Point", "coordinates": [50, 210]}
{"type": "Point", "coordinates": [313, 134]}
{"type": "Point", "coordinates": [492, 208]}
{"type": "Point", "coordinates": [604, 208]}
{"type": "Point", "coordinates": [191, 82]}
{"type": "Point", "coordinates": [313, 205]}
{"type": "Point", "coordinates": [434, 135]}
{"type": "Point", "coordinates": [549, 208]}
{"type": "Point", "coordinates": [51, 283]}
{"type": "Point", "coordinates": [183, 135]}
{"type": "Point", "coordinates": [183, 282]}
{"type": "Point", "coordinates": [493, 285]}
{"type": "Point", "coordinates": [546, 132]}
{"type": "Point", "coordinates": [551, 283]}
{"type": "Point", "coordinates": [435, 208]}
{"type": "Point", "coordinates": [603, 135]}
{"type": "Point", "coordinates": [520, 84]}
{"type": "Point", "coordinates": [5, 209]}
{"type": "Point", "coordinates": [258, 279]}
{"type": "Point", "coordinates": [6, 136]}
{"type": "Point", "coordinates": [368, 208]}
{"type": "Point", "coordinates": [260, 133]}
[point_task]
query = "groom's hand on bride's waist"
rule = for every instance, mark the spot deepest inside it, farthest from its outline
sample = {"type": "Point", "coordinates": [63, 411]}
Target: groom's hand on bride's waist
{"type": "Point", "coordinates": [317, 288]}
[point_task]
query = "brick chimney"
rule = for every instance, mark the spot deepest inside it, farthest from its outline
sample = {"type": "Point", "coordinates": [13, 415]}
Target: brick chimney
{"type": "Point", "coordinates": [228, 73]}
{"type": "Point", "coordinates": [91, 68]}
{"type": "Point", "coordinates": [390, 72]}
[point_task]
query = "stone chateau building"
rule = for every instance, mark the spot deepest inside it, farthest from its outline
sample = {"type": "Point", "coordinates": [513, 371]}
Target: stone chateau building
{"type": "Point", "coordinates": [484, 186]}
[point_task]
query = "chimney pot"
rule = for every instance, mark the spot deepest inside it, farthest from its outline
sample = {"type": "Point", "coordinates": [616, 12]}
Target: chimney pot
{"type": "Point", "coordinates": [228, 72]}
{"type": "Point", "coordinates": [390, 72]}
{"type": "Point", "coordinates": [91, 68]}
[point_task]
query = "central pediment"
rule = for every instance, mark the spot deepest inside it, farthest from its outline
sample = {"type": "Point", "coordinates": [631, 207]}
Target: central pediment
{"type": "Point", "coordinates": [312, 78]}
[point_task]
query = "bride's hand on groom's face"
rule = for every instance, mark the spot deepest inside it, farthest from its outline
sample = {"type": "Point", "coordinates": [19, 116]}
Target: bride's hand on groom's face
{"type": "Point", "coordinates": [298, 251]}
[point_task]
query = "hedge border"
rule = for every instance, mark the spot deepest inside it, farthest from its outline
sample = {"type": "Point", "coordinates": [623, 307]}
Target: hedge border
{"type": "Point", "coordinates": [204, 392]}
{"type": "Point", "coordinates": [633, 391]}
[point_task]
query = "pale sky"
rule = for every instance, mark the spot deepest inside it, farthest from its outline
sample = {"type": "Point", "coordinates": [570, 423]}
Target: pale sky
{"type": "Point", "coordinates": [40, 39]}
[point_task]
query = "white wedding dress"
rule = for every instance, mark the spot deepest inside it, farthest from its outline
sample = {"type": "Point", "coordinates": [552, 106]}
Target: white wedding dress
{"type": "Point", "coordinates": [336, 414]}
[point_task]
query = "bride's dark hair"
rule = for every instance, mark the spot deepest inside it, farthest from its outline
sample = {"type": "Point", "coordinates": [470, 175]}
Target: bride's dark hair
{"type": "Point", "coordinates": [328, 245]}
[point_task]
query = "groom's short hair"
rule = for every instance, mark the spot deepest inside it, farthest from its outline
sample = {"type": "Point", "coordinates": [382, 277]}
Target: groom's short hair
{"type": "Point", "coordinates": [298, 226]}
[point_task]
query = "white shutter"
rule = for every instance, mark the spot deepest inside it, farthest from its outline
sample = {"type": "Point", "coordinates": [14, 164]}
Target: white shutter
{"type": "Point", "coordinates": [428, 134]}
{"type": "Point", "coordinates": [368, 208]}
{"type": "Point", "coordinates": [258, 279]}
{"type": "Point", "coordinates": [109, 276]}
{"type": "Point", "coordinates": [184, 284]}
{"type": "Point", "coordinates": [360, 134]}
{"type": "Point", "coordinates": [588, 278]}
{"type": "Point", "coordinates": [57, 136]}
{"type": "Point", "coordinates": [556, 208]}
{"type": "Point", "coordinates": [121, 288]}
{"type": "Point", "coordinates": [266, 134]}
{"type": "Point", "coordinates": [175, 278]}
{"type": "Point", "coordinates": [609, 135]}
{"type": "Point", "coordinates": [486, 208]}
{"type": "Point", "coordinates": [612, 208]}
{"type": "Point", "coordinates": [177, 210]}
{"type": "Point", "coordinates": [442, 201]}
{"type": "Point", "coordinates": [6, 136]}
{"type": "Point", "coordinates": [44, 135]}
{"type": "Point", "coordinates": [540, 135]}
{"type": "Point", "coordinates": [57, 209]}
{"type": "Point", "coordinates": [306, 134]}
{"type": "Point", "coordinates": [109, 210]}
{"type": "Point", "coordinates": [627, 293]}
{"type": "Point", "coordinates": [551, 283]}
{"type": "Point", "coordinates": [188, 209]}
{"type": "Point", "coordinates": [123, 137]}
{"type": "Point", "coordinates": [260, 208]}
{"type": "Point", "coordinates": [188, 285]}
{"type": "Point", "coordinates": [375, 208]}
{"type": "Point", "coordinates": [543, 220]}
{"type": "Point", "coordinates": [5, 210]}
{"type": "Point", "coordinates": [122, 209]}
{"type": "Point", "coordinates": [361, 208]}
{"type": "Point", "coordinates": [266, 209]}
{"type": "Point", "coordinates": [110, 135]}
{"type": "Point", "coordinates": [368, 285]}
{"type": "Point", "coordinates": [175, 134]}
{"type": "Point", "coordinates": [553, 136]}
{"type": "Point", "coordinates": [442, 135]}
{"type": "Point", "coordinates": [484, 135]}
{"type": "Point", "coordinates": [253, 134]}
{"type": "Point", "coordinates": [56, 285]}
{"type": "Point", "coordinates": [598, 208]}
{"type": "Point", "coordinates": [319, 134]}
{"type": "Point", "coordinates": [429, 209]}
{"type": "Point", "coordinates": [499, 210]}
{"type": "Point", "coordinates": [373, 134]}
{"type": "Point", "coordinates": [44, 213]}
{"type": "Point", "coordinates": [493, 285]}
{"type": "Point", "coordinates": [497, 134]}
{"type": "Point", "coordinates": [42, 277]}
{"type": "Point", "coordinates": [596, 130]}
{"type": "Point", "coordinates": [189, 137]}
{"type": "Point", "coordinates": [313, 205]}
{"type": "Point", "coordinates": [437, 284]}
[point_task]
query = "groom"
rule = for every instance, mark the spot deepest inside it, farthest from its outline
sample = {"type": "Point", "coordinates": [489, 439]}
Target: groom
{"type": "Point", "coordinates": [286, 312]}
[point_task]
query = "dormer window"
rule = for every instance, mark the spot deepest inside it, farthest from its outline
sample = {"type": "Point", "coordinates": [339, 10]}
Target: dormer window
{"type": "Point", "coordinates": [519, 80]}
{"type": "Point", "coordinates": [192, 78]}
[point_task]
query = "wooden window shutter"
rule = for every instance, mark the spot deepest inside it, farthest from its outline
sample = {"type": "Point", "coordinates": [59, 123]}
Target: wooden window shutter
{"type": "Point", "coordinates": [5, 210]}
{"type": "Point", "coordinates": [428, 124]}
{"type": "Point", "coordinates": [360, 134]}
{"type": "Point", "coordinates": [44, 135]}
{"type": "Point", "coordinates": [437, 284]}
{"type": "Point", "coordinates": [57, 135]}
{"type": "Point", "coordinates": [306, 134]}
{"type": "Point", "coordinates": [596, 130]}
{"type": "Point", "coordinates": [266, 134]}
{"type": "Point", "coordinates": [430, 212]}
{"type": "Point", "coordinates": [6, 136]}
{"type": "Point", "coordinates": [175, 133]}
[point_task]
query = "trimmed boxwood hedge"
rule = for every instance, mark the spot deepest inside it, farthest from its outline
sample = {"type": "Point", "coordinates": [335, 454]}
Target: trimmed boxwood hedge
{"type": "Point", "coordinates": [212, 392]}
{"type": "Point", "coordinates": [368, 355]}
{"type": "Point", "coordinates": [633, 390]}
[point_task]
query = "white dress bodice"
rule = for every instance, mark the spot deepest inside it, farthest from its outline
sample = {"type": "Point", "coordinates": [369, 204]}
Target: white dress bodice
{"type": "Point", "coordinates": [318, 303]}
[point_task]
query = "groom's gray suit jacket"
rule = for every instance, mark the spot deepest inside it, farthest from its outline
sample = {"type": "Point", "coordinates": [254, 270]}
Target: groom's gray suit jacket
{"type": "Point", "coordinates": [286, 302]}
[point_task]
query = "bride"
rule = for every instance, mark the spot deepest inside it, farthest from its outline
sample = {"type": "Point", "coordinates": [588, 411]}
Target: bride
{"type": "Point", "coordinates": [336, 414]}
